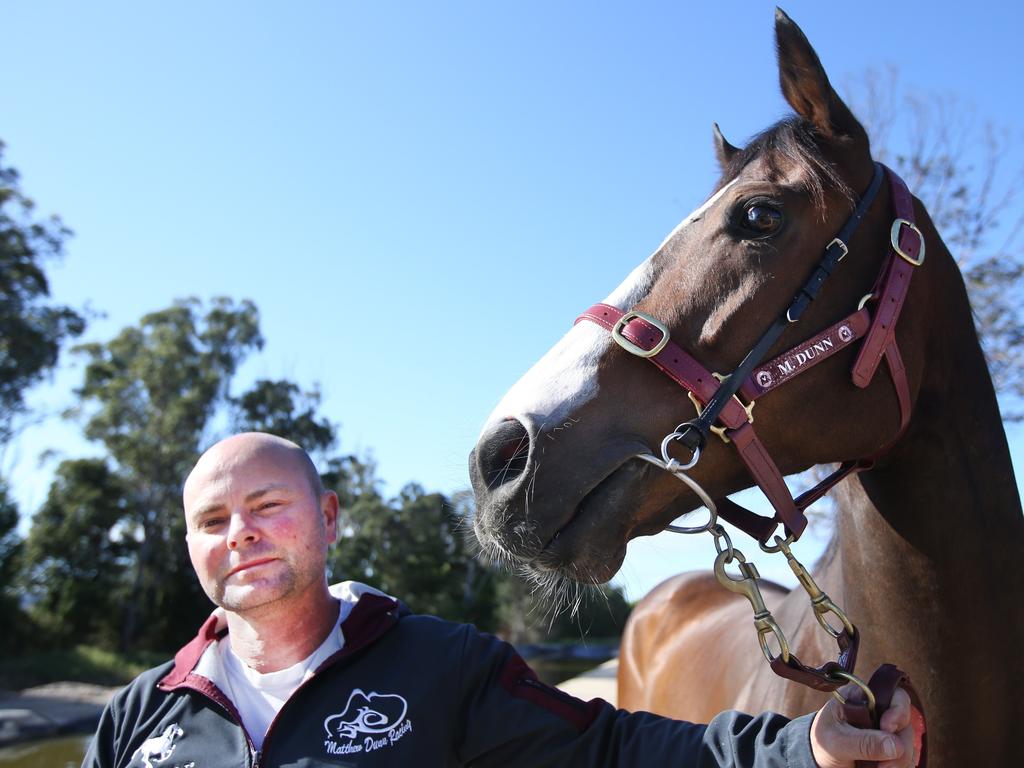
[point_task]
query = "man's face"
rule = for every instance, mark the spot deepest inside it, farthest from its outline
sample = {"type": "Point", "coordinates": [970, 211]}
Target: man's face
{"type": "Point", "coordinates": [257, 531]}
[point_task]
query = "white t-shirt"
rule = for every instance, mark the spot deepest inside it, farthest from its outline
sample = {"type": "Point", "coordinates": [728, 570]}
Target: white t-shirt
{"type": "Point", "coordinates": [259, 696]}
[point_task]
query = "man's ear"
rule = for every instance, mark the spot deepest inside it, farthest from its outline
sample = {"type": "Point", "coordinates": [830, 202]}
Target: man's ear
{"type": "Point", "coordinates": [805, 84]}
{"type": "Point", "coordinates": [724, 151]}
{"type": "Point", "coordinates": [329, 509]}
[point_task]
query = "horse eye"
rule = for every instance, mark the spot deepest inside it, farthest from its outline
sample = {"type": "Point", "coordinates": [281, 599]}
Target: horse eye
{"type": "Point", "coordinates": [762, 218]}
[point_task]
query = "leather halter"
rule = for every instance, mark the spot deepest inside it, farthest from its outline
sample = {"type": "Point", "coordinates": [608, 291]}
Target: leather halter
{"type": "Point", "coordinates": [718, 398]}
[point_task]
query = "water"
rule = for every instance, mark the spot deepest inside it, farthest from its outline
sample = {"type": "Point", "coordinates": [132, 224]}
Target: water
{"type": "Point", "coordinates": [60, 752]}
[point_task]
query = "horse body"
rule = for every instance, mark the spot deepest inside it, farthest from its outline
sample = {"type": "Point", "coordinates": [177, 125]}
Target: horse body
{"type": "Point", "coordinates": [925, 544]}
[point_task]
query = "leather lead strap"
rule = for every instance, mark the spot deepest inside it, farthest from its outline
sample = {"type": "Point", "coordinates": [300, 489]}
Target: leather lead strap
{"type": "Point", "coordinates": [883, 685]}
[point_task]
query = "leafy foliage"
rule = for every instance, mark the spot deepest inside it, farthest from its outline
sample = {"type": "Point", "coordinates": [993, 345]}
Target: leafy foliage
{"type": "Point", "coordinates": [105, 560]}
{"type": "Point", "coordinates": [10, 562]}
{"type": "Point", "coordinates": [148, 396]}
{"type": "Point", "coordinates": [418, 547]}
{"type": "Point", "coordinates": [282, 409]}
{"type": "Point", "coordinates": [31, 330]}
{"type": "Point", "coordinates": [81, 663]}
{"type": "Point", "coordinates": [411, 547]}
{"type": "Point", "coordinates": [77, 553]}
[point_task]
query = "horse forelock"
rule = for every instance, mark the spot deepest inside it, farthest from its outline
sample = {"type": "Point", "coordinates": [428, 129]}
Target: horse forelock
{"type": "Point", "coordinates": [791, 144]}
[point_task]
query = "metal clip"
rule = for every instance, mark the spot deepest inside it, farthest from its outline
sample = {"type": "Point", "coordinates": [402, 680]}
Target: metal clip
{"type": "Point", "coordinates": [746, 585]}
{"type": "Point", "coordinates": [820, 602]}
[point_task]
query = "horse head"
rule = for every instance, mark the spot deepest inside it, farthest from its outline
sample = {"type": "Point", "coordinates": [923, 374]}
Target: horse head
{"type": "Point", "coordinates": [558, 482]}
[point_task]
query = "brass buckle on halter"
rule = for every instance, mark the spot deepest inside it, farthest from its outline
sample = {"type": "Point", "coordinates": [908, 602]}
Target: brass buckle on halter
{"type": "Point", "coordinates": [748, 408]}
{"type": "Point", "coordinates": [628, 345]}
{"type": "Point", "coordinates": [894, 237]}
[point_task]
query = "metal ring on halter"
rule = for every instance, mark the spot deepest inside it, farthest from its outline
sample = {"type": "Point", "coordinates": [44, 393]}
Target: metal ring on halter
{"type": "Point", "coordinates": [675, 434]}
{"type": "Point", "coordinates": [676, 469]}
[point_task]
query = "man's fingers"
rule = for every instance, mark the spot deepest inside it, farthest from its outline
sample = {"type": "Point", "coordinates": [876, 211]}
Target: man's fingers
{"type": "Point", "coordinates": [835, 743]}
{"type": "Point", "coordinates": [897, 716]}
{"type": "Point", "coordinates": [862, 744]}
{"type": "Point", "coordinates": [908, 758]}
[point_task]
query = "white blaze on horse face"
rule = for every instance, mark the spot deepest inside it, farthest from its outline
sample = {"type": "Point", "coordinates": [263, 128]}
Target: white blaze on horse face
{"type": "Point", "coordinates": [566, 377]}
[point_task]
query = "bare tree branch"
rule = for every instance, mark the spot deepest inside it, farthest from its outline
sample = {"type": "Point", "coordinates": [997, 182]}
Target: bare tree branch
{"type": "Point", "coordinates": [966, 173]}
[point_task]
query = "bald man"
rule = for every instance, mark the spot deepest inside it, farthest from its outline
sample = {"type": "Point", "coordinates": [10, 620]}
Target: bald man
{"type": "Point", "coordinates": [290, 672]}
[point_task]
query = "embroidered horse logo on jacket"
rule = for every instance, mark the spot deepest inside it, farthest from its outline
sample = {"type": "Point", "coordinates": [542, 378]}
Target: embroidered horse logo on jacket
{"type": "Point", "coordinates": [159, 748]}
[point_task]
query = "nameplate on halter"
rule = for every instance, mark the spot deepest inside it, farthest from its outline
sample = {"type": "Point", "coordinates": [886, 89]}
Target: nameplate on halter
{"type": "Point", "coordinates": [803, 356]}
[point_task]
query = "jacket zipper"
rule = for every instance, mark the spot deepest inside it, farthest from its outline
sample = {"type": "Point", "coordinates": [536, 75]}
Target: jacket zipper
{"type": "Point", "coordinates": [255, 755]}
{"type": "Point", "coordinates": [344, 655]}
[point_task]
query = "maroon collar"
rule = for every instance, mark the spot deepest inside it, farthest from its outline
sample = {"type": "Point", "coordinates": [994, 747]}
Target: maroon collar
{"type": "Point", "coordinates": [371, 617]}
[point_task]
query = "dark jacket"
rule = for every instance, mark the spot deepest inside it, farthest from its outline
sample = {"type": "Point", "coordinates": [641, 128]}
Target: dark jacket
{"type": "Point", "coordinates": [410, 690]}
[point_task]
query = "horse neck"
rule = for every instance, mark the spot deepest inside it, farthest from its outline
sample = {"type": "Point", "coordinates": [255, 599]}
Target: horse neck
{"type": "Point", "coordinates": [927, 544]}
{"type": "Point", "coordinates": [946, 492]}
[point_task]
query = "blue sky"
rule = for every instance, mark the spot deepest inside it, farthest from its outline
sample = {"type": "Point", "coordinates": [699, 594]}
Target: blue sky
{"type": "Point", "coordinates": [420, 197]}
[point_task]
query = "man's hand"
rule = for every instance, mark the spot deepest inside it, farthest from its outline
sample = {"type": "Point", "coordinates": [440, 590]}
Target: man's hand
{"type": "Point", "coordinates": [837, 744]}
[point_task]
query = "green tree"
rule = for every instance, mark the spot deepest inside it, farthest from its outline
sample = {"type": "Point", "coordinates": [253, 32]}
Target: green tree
{"type": "Point", "coordinates": [10, 551]}
{"type": "Point", "coordinates": [526, 614]}
{"type": "Point", "coordinates": [411, 546]}
{"type": "Point", "coordinates": [148, 397]}
{"type": "Point", "coordinates": [283, 409]}
{"type": "Point", "coordinates": [77, 552]}
{"type": "Point", "coordinates": [32, 329]}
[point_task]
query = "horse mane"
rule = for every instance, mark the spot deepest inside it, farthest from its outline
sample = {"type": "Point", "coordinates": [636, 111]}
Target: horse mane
{"type": "Point", "coordinates": [791, 141]}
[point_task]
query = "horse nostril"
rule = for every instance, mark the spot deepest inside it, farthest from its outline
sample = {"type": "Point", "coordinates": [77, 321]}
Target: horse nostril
{"type": "Point", "coordinates": [503, 453]}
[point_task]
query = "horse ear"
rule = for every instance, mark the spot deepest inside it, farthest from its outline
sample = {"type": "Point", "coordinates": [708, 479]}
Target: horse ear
{"type": "Point", "coordinates": [724, 151]}
{"type": "Point", "coordinates": [805, 84]}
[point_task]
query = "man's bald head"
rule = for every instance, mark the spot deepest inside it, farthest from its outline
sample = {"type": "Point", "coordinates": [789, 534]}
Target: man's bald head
{"type": "Point", "coordinates": [259, 524]}
{"type": "Point", "coordinates": [245, 446]}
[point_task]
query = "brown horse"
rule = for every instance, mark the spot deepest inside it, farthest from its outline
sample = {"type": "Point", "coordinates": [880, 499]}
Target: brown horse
{"type": "Point", "coordinates": [926, 543]}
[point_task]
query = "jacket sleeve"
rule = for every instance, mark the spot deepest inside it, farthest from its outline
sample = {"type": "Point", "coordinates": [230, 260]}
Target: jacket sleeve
{"type": "Point", "coordinates": [510, 718]}
{"type": "Point", "coordinates": [103, 747]}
